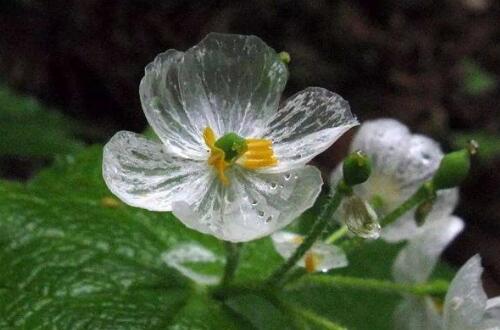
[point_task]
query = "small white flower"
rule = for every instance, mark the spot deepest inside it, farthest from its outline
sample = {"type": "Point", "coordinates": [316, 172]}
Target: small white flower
{"type": "Point", "coordinates": [321, 256]}
{"type": "Point", "coordinates": [401, 163]}
{"type": "Point", "coordinates": [230, 163]}
{"type": "Point", "coordinates": [415, 264]}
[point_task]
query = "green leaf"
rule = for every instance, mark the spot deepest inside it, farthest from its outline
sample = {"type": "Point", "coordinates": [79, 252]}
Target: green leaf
{"type": "Point", "coordinates": [28, 129]}
{"type": "Point", "coordinates": [476, 80]}
{"type": "Point", "coordinates": [73, 256]}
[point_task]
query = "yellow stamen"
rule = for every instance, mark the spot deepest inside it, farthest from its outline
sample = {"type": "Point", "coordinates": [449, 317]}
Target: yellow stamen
{"type": "Point", "coordinates": [217, 155]}
{"type": "Point", "coordinates": [311, 262]}
{"type": "Point", "coordinates": [259, 154]}
{"type": "Point", "coordinates": [255, 154]}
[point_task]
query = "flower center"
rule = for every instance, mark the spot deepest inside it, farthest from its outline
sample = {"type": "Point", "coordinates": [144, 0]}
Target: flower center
{"type": "Point", "coordinates": [231, 148]}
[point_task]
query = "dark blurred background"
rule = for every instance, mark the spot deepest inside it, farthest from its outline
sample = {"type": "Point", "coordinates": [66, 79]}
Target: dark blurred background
{"type": "Point", "coordinates": [434, 65]}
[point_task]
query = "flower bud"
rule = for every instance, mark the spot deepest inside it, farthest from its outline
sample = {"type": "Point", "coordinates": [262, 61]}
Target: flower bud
{"type": "Point", "coordinates": [359, 217]}
{"type": "Point", "coordinates": [285, 57]}
{"type": "Point", "coordinates": [356, 168]}
{"type": "Point", "coordinates": [452, 170]}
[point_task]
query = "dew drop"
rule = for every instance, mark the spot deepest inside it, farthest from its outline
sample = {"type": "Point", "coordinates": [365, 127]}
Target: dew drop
{"type": "Point", "coordinates": [273, 185]}
{"type": "Point", "coordinates": [254, 202]}
{"type": "Point", "coordinates": [288, 176]}
{"type": "Point", "coordinates": [269, 218]}
{"type": "Point", "coordinates": [261, 213]}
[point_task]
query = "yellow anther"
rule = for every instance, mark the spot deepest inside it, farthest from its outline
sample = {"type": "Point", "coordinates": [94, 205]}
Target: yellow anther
{"type": "Point", "coordinates": [230, 148]}
{"type": "Point", "coordinates": [259, 154]}
{"type": "Point", "coordinates": [311, 261]}
{"type": "Point", "coordinates": [217, 155]}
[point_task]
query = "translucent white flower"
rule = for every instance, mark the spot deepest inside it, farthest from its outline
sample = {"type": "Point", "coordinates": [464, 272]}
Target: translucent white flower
{"type": "Point", "coordinates": [415, 264]}
{"type": "Point", "coordinates": [321, 257]}
{"type": "Point", "coordinates": [466, 305]}
{"type": "Point", "coordinates": [401, 162]}
{"type": "Point", "coordinates": [230, 163]}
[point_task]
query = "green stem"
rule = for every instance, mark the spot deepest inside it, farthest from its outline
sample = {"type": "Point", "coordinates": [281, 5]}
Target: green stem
{"type": "Point", "coordinates": [425, 192]}
{"type": "Point", "coordinates": [232, 258]}
{"type": "Point", "coordinates": [338, 234]}
{"type": "Point", "coordinates": [436, 288]}
{"type": "Point", "coordinates": [314, 318]}
{"type": "Point", "coordinates": [316, 231]}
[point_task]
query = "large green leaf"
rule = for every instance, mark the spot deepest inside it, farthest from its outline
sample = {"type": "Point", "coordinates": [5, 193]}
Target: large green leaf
{"type": "Point", "coordinates": [28, 129]}
{"type": "Point", "coordinates": [73, 257]}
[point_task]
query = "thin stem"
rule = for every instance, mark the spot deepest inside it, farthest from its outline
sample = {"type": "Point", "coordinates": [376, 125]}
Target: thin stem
{"type": "Point", "coordinates": [425, 192]}
{"type": "Point", "coordinates": [232, 258]}
{"type": "Point", "coordinates": [316, 231]}
{"type": "Point", "coordinates": [437, 287]}
{"type": "Point", "coordinates": [338, 234]}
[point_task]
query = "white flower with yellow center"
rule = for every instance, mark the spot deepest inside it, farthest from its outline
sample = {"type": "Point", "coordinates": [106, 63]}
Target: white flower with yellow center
{"type": "Point", "coordinates": [321, 257]}
{"type": "Point", "coordinates": [401, 163]}
{"type": "Point", "coordinates": [465, 307]}
{"type": "Point", "coordinates": [230, 163]}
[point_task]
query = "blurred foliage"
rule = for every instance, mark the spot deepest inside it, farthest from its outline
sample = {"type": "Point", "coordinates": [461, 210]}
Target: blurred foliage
{"type": "Point", "coordinates": [476, 80]}
{"type": "Point", "coordinates": [489, 144]}
{"type": "Point", "coordinates": [27, 129]}
{"type": "Point", "coordinates": [86, 260]}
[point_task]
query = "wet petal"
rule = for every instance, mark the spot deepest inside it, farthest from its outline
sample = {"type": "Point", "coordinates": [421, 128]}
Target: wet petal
{"type": "Point", "coordinates": [465, 302]}
{"type": "Point", "coordinates": [142, 174]}
{"type": "Point", "coordinates": [191, 260]}
{"type": "Point", "coordinates": [307, 124]}
{"type": "Point", "coordinates": [401, 162]}
{"type": "Point", "coordinates": [164, 108]}
{"type": "Point", "coordinates": [232, 83]}
{"type": "Point", "coordinates": [416, 261]}
{"type": "Point", "coordinates": [325, 256]}
{"type": "Point", "coordinates": [416, 313]}
{"type": "Point", "coordinates": [359, 217]}
{"type": "Point", "coordinates": [406, 227]}
{"type": "Point", "coordinates": [253, 205]}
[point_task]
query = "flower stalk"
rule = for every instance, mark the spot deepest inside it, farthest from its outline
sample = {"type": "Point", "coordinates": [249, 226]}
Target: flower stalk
{"type": "Point", "coordinates": [425, 192]}
{"type": "Point", "coordinates": [232, 259]}
{"type": "Point", "coordinates": [314, 234]}
{"type": "Point", "coordinates": [433, 288]}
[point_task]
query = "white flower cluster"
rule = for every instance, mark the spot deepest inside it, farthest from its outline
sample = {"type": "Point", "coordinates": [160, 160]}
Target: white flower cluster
{"type": "Point", "coordinates": [401, 163]}
{"type": "Point", "coordinates": [231, 163]}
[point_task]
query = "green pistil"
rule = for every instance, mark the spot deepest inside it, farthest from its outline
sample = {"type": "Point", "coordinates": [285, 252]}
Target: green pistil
{"type": "Point", "coordinates": [233, 146]}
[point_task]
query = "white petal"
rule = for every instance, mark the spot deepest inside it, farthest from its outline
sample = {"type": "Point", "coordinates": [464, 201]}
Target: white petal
{"type": "Point", "coordinates": [142, 174]}
{"type": "Point", "coordinates": [405, 227]}
{"type": "Point", "coordinates": [164, 109]}
{"type": "Point", "coordinates": [417, 313]}
{"type": "Point", "coordinates": [465, 301]}
{"type": "Point", "coordinates": [232, 83]}
{"type": "Point", "coordinates": [308, 123]}
{"type": "Point", "coordinates": [401, 162]}
{"type": "Point", "coordinates": [328, 256]}
{"type": "Point", "coordinates": [253, 205]}
{"type": "Point", "coordinates": [182, 257]}
{"type": "Point", "coordinates": [416, 261]}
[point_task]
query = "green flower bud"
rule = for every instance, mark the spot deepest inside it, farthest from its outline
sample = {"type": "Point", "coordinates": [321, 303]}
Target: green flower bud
{"type": "Point", "coordinates": [452, 170]}
{"type": "Point", "coordinates": [285, 57]}
{"type": "Point", "coordinates": [356, 168]}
